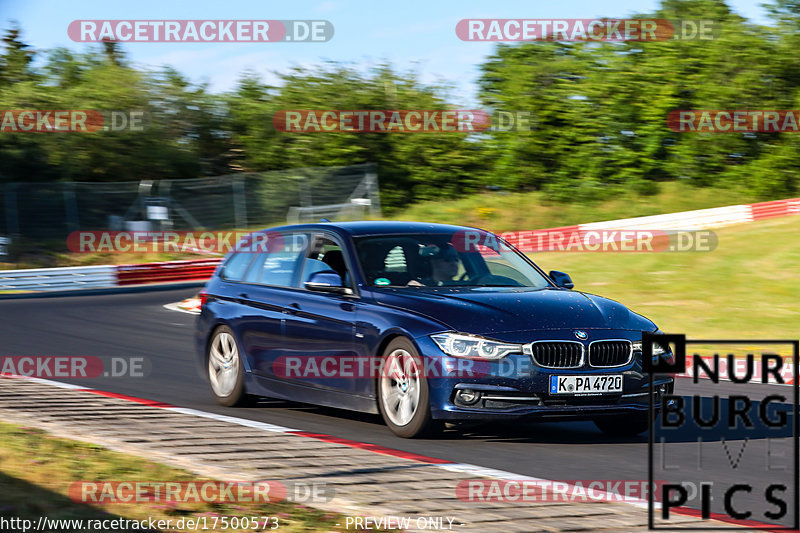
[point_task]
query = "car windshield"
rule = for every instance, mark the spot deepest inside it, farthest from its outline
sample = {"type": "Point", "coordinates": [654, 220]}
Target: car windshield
{"type": "Point", "coordinates": [466, 258]}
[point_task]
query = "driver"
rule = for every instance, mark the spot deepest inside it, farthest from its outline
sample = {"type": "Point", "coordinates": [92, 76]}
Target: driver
{"type": "Point", "coordinates": [444, 266]}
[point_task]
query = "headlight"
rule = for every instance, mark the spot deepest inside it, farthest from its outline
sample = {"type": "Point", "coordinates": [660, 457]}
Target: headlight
{"type": "Point", "coordinates": [473, 347]}
{"type": "Point", "coordinates": [658, 349]}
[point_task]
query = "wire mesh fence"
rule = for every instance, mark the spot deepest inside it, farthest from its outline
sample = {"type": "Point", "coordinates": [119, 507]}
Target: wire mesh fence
{"type": "Point", "coordinates": [38, 211]}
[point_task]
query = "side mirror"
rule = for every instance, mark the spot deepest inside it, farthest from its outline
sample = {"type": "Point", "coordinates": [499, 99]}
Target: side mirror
{"type": "Point", "coordinates": [561, 279]}
{"type": "Point", "coordinates": [326, 281]}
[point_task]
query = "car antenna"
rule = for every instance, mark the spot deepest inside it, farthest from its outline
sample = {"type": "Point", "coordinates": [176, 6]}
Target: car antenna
{"type": "Point", "coordinates": [324, 220]}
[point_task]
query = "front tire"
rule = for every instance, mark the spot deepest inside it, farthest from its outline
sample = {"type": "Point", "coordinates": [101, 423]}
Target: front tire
{"type": "Point", "coordinates": [225, 371]}
{"type": "Point", "coordinates": [403, 395]}
{"type": "Point", "coordinates": [623, 425]}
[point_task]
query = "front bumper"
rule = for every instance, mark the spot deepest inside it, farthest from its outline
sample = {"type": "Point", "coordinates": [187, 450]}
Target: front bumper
{"type": "Point", "coordinates": [506, 404]}
{"type": "Point", "coordinates": [516, 387]}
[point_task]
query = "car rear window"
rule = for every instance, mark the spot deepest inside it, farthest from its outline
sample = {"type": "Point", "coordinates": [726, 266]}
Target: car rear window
{"type": "Point", "coordinates": [280, 267]}
{"type": "Point", "coordinates": [236, 266]}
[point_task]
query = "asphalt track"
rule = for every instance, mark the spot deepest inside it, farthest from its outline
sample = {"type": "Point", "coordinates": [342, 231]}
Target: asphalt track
{"type": "Point", "coordinates": [136, 325]}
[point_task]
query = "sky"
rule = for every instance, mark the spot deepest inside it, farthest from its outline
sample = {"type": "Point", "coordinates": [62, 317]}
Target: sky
{"type": "Point", "coordinates": [410, 34]}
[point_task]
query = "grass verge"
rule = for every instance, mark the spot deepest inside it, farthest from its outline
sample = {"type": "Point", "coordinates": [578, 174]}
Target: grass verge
{"type": "Point", "coordinates": [747, 287]}
{"type": "Point", "coordinates": [501, 212]}
{"type": "Point", "coordinates": [37, 469]}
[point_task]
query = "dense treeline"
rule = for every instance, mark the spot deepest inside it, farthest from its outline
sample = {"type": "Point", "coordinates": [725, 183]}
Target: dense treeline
{"type": "Point", "coordinates": [598, 116]}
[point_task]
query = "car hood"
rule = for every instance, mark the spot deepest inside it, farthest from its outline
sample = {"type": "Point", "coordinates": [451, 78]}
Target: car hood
{"type": "Point", "coordinates": [484, 311]}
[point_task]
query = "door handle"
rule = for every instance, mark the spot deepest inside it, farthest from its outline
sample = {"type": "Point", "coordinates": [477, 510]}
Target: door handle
{"type": "Point", "coordinates": [294, 306]}
{"type": "Point", "coordinates": [243, 295]}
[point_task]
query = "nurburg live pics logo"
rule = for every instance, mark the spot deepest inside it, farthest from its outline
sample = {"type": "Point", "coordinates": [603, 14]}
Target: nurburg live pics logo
{"type": "Point", "coordinates": [746, 419]}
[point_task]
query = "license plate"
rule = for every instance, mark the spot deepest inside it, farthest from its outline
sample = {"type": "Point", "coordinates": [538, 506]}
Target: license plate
{"type": "Point", "coordinates": [585, 384]}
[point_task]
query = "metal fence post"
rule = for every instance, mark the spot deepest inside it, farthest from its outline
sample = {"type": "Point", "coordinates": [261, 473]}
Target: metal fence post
{"type": "Point", "coordinates": [373, 191]}
{"type": "Point", "coordinates": [239, 202]}
{"type": "Point", "coordinates": [305, 194]}
{"type": "Point", "coordinates": [12, 217]}
{"type": "Point", "coordinates": [71, 207]}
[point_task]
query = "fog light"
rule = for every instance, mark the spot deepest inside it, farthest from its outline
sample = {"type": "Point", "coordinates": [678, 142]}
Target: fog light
{"type": "Point", "coordinates": [468, 396]}
{"type": "Point", "coordinates": [661, 392]}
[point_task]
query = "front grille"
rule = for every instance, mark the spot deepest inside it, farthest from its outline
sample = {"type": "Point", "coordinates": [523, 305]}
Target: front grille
{"type": "Point", "coordinates": [557, 354]}
{"type": "Point", "coordinates": [609, 353]}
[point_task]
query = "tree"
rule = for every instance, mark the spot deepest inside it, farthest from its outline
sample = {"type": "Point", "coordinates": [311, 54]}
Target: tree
{"type": "Point", "coordinates": [16, 59]}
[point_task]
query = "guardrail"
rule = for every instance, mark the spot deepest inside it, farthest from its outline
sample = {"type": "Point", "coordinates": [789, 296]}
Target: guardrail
{"type": "Point", "coordinates": [105, 276]}
{"type": "Point", "coordinates": [58, 279]}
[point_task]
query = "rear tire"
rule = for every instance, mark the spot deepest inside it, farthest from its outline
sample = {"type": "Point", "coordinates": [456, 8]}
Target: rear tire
{"type": "Point", "coordinates": [403, 395]}
{"type": "Point", "coordinates": [623, 425]}
{"type": "Point", "coordinates": [225, 370]}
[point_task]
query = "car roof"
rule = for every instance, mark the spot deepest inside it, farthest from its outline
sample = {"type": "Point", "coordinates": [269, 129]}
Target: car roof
{"type": "Point", "coordinates": [375, 227]}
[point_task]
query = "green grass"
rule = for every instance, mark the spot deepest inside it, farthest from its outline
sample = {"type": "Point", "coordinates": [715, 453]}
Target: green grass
{"type": "Point", "coordinates": [501, 212]}
{"type": "Point", "coordinates": [36, 471]}
{"type": "Point", "coordinates": [748, 287]}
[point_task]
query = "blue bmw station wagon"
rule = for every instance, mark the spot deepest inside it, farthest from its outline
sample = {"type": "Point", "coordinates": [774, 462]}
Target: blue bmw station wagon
{"type": "Point", "coordinates": [422, 323]}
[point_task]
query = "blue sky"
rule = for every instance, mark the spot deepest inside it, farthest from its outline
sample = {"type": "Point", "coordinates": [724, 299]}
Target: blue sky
{"type": "Point", "coordinates": [410, 33]}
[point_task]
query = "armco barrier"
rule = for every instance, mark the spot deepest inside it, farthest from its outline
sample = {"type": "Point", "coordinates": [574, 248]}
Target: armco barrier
{"type": "Point", "coordinates": [58, 279]}
{"type": "Point", "coordinates": [52, 279]}
{"type": "Point", "coordinates": [105, 276]}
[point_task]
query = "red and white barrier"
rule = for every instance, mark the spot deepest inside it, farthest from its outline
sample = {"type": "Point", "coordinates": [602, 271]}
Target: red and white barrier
{"type": "Point", "coordinates": [650, 233]}
{"type": "Point", "coordinates": [105, 276]}
{"type": "Point", "coordinates": [716, 217]}
{"type": "Point", "coordinates": [776, 208]}
{"type": "Point", "coordinates": [166, 271]}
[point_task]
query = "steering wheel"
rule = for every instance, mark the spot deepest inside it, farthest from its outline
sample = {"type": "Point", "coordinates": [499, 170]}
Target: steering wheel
{"type": "Point", "coordinates": [476, 279]}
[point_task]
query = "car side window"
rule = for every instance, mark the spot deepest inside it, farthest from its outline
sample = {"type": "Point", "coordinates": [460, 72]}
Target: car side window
{"type": "Point", "coordinates": [280, 267]}
{"type": "Point", "coordinates": [236, 266]}
{"type": "Point", "coordinates": [326, 254]}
